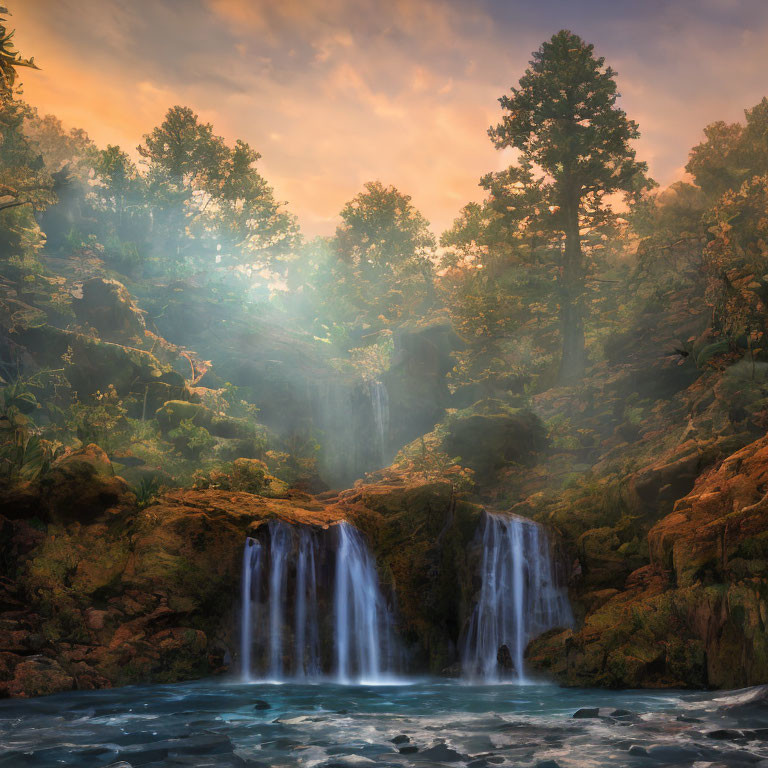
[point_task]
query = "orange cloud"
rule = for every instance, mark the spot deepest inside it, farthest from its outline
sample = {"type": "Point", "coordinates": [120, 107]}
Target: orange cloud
{"type": "Point", "coordinates": [334, 93]}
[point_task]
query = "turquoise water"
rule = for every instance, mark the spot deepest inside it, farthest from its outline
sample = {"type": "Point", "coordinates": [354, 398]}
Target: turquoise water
{"type": "Point", "coordinates": [222, 723]}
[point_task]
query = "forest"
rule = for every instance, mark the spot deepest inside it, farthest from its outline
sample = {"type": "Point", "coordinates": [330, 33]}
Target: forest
{"type": "Point", "coordinates": [184, 371]}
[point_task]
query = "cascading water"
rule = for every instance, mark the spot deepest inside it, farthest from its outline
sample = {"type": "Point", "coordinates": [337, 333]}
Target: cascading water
{"type": "Point", "coordinates": [363, 644]}
{"type": "Point", "coordinates": [311, 605]}
{"type": "Point", "coordinates": [380, 406]}
{"type": "Point", "coordinates": [519, 599]}
{"type": "Point", "coordinates": [251, 565]}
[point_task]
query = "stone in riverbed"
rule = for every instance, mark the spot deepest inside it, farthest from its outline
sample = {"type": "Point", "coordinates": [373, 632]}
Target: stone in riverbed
{"type": "Point", "coordinates": [547, 764]}
{"type": "Point", "coordinates": [260, 704]}
{"type": "Point", "coordinates": [725, 734]}
{"type": "Point", "coordinates": [409, 749]}
{"type": "Point", "coordinates": [442, 754]}
{"type": "Point", "coordinates": [349, 761]}
{"type": "Point", "coordinates": [672, 754]}
{"type": "Point", "coordinates": [401, 739]}
{"type": "Point", "coordinates": [587, 712]}
{"type": "Point", "coordinates": [637, 751]}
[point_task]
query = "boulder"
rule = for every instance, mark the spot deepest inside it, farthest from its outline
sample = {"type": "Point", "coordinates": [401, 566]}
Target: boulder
{"type": "Point", "coordinates": [81, 486]}
{"type": "Point", "coordinates": [490, 435]}
{"type": "Point", "coordinates": [107, 306]}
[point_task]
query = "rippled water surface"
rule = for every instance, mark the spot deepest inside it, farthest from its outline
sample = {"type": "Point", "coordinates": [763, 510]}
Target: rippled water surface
{"type": "Point", "coordinates": [428, 723]}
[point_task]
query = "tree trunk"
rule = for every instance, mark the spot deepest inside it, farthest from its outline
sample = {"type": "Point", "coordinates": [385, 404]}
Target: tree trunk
{"type": "Point", "coordinates": [573, 359]}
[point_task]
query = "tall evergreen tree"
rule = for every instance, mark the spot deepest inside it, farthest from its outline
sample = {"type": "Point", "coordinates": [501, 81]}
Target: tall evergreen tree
{"type": "Point", "coordinates": [565, 121]}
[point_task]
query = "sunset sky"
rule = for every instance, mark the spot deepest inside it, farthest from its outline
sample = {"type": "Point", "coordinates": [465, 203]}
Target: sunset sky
{"type": "Point", "coordinates": [334, 93]}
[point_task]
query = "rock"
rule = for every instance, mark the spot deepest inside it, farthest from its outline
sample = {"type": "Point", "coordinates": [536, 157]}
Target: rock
{"type": "Point", "coordinates": [673, 754]}
{"type": "Point", "coordinates": [416, 379]}
{"type": "Point", "coordinates": [107, 306]}
{"type": "Point", "coordinates": [440, 753]}
{"type": "Point", "coordinates": [587, 712]}
{"type": "Point", "coordinates": [725, 734]}
{"type": "Point", "coordinates": [622, 713]}
{"type": "Point", "coordinates": [349, 761]}
{"type": "Point", "coordinates": [38, 676]}
{"type": "Point", "coordinates": [490, 435]}
{"type": "Point", "coordinates": [81, 486]}
{"type": "Point", "coordinates": [700, 603]}
{"type": "Point", "coordinates": [95, 365]}
{"type": "Point", "coordinates": [408, 750]}
{"type": "Point", "coordinates": [401, 739]}
{"type": "Point", "coordinates": [637, 751]}
{"type": "Point", "coordinates": [95, 618]}
{"type": "Point", "coordinates": [260, 704]}
{"type": "Point", "coordinates": [173, 412]}
{"type": "Point", "coordinates": [504, 659]}
{"type": "Point", "coordinates": [547, 764]}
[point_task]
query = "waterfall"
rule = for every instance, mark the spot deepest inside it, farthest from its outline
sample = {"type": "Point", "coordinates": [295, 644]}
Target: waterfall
{"type": "Point", "coordinates": [251, 565]}
{"type": "Point", "coordinates": [307, 642]}
{"type": "Point", "coordinates": [362, 621]}
{"type": "Point", "coordinates": [380, 406]}
{"type": "Point", "coordinates": [519, 599]}
{"type": "Point", "coordinates": [279, 544]}
{"type": "Point", "coordinates": [321, 611]}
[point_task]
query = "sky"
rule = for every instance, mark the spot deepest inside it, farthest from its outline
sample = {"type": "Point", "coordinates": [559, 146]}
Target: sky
{"type": "Point", "coordinates": [334, 93]}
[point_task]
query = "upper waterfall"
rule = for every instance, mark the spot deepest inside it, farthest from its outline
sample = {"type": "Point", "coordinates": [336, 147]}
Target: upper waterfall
{"type": "Point", "coordinates": [519, 599]}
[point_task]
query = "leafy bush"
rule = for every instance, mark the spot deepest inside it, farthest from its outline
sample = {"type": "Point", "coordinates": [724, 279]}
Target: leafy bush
{"type": "Point", "coordinates": [191, 440]}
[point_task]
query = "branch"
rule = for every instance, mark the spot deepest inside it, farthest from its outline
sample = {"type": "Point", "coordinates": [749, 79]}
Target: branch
{"type": "Point", "coordinates": [15, 204]}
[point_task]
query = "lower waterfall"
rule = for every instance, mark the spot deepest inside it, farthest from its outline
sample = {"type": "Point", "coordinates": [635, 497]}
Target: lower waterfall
{"type": "Point", "coordinates": [311, 606]}
{"type": "Point", "coordinates": [519, 599]}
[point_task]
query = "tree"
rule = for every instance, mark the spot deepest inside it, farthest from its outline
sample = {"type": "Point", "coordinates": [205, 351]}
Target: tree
{"type": "Point", "coordinates": [565, 121]}
{"type": "Point", "coordinates": [25, 184]}
{"type": "Point", "coordinates": [498, 272]}
{"type": "Point", "coordinates": [735, 264]}
{"type": "Point", "coordinates": [209, 198]}
{"type": "Point", "coordinates": [384, 249]}
{"type": "Point", "coordinates": [732, 153]}
{"type": "Point", "coordinates": [61, 149]}
{"type": "Point", "coordinates": [10, 58]}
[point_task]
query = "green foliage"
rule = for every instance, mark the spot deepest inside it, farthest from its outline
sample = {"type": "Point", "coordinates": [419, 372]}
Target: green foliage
{"type": "Point", "coordinates": [736, 262]}
{"type": "Point", "coordinates": [24, 454]}
{"type": "Point", "coordinates": [297, 460]}
{"type": "Point", "coordinates": [10, 58]}
{"type": "Point", "coordinates": [374, 273]}
{"type": "Point", "coordinates": [732, 153]}
{"type": "Point", "coordinates": [101, 421]}
{"type": "Point", "coordinates": [208, 201]}
{"type": "Point", "coordinates": [147, 491]}
{"type": "Point", "coordinates": [192, 440]}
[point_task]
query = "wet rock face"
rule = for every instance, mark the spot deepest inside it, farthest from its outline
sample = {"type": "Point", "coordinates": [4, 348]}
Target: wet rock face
{"type": "Point", "coordinates": [421, 536]}
{"type": "Point", "coordinates": [695, 616]}
{"type": "Point", "coordinates": [123, 596]}
{"type": "Point", "coordinates": [418, 390]}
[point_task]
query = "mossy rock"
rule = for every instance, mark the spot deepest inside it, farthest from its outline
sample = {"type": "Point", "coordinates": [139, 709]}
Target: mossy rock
{"type": "Point", "coordinates": [92, 364]}
{"type": "Point", "coordinates": [490, 435]}
{"type": "Point", "coordinates": [172, 413]}
{"type": "Point", "coordinates": [82, 486]}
